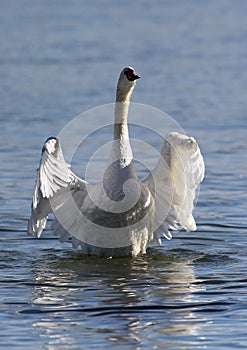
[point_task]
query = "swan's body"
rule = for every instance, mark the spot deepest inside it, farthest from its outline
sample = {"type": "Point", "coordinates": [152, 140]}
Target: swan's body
{"type": "Point", "coordinates": [121, 215]}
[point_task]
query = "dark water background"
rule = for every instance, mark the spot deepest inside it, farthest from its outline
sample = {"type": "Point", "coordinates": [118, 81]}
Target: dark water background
{"type": "Point", "coordinates": [61, 58]}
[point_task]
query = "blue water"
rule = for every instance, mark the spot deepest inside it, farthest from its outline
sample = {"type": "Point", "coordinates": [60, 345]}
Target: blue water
{"type": "Point", "coordinates": [59, 59]}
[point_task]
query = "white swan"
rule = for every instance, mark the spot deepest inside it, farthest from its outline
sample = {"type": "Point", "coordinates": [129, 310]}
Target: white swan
{"type": "Point", "coordinates": [121, 215]}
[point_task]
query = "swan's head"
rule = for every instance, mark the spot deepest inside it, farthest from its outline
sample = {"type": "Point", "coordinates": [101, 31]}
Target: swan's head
{"type": "Point", "coordinates": [129, 74]}
{"type": "Point", "coordinates": [126, 84]}
{"type": "Point", "coordinates": [127, 79]}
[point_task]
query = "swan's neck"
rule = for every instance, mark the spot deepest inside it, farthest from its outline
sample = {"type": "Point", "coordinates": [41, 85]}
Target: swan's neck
{"type": "Point", "coordinates": [121, 131]}
{"type": "Point", "coordinates": [122, 106]}
{"type": "Point", "coordinates": [121, 147]}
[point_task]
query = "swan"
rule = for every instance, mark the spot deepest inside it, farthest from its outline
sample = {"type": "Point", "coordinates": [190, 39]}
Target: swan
{"type": "Point", "coordinates": [121, 215]}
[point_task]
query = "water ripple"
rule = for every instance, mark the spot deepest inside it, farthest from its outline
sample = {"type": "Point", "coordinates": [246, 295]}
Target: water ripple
{"type": "Point", "coordinates": [101, 311]}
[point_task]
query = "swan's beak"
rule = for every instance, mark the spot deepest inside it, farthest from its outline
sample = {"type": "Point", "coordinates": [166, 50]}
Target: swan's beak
{"type": "Point", "coordinates": [135, 76]}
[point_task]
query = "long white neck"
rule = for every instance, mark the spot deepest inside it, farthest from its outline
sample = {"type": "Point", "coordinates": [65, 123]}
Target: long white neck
{"type": "Point", "coordinates": [121, 113]}
{"type": "Point", "coordinates": [121, 147]}
{"type": "Point", "coordinates": [120, 165]}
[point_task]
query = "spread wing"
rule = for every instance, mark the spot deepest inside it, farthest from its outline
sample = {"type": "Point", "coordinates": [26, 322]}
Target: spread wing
{"type": "Point", "coordinates": [54, 178]}
{"type": "Point", "coordinates": [174, 183]}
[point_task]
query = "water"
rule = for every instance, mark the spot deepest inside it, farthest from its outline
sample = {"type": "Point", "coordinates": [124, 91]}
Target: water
{"type": "Point", "coordinates": [59, 59]}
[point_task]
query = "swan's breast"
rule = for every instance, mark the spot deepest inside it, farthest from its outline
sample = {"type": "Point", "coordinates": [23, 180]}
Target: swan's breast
{"type": "Point", "coordinates": [105, 216]}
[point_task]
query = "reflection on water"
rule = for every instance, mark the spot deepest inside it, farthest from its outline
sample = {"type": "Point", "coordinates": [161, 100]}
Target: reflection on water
{"type": "Point", "coordinates": [177, 294]}
{"type": "Point", "coordinates": [132, 292]}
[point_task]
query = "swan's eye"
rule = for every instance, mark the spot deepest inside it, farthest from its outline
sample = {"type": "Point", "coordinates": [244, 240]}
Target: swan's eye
{"type": "Point", "coordinates": [131, 74]}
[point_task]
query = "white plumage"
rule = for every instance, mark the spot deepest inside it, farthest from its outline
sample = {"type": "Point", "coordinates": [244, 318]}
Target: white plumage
{"type": "Point", "coordinates": [120, 215]}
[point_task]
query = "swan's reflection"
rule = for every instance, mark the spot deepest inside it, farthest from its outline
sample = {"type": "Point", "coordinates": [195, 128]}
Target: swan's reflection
{"type": "Point", "coordinates": [114, 300]}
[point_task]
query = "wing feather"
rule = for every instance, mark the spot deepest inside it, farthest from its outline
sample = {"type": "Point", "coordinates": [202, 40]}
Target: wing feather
{"type": "Point", "coordinates": [54, 178]}
{"type": "Point", "coordinates": [174, 183]}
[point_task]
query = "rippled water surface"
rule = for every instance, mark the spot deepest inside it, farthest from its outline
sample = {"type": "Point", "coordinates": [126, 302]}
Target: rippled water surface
{"type": "Point", "coordinates": [59, 59]}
